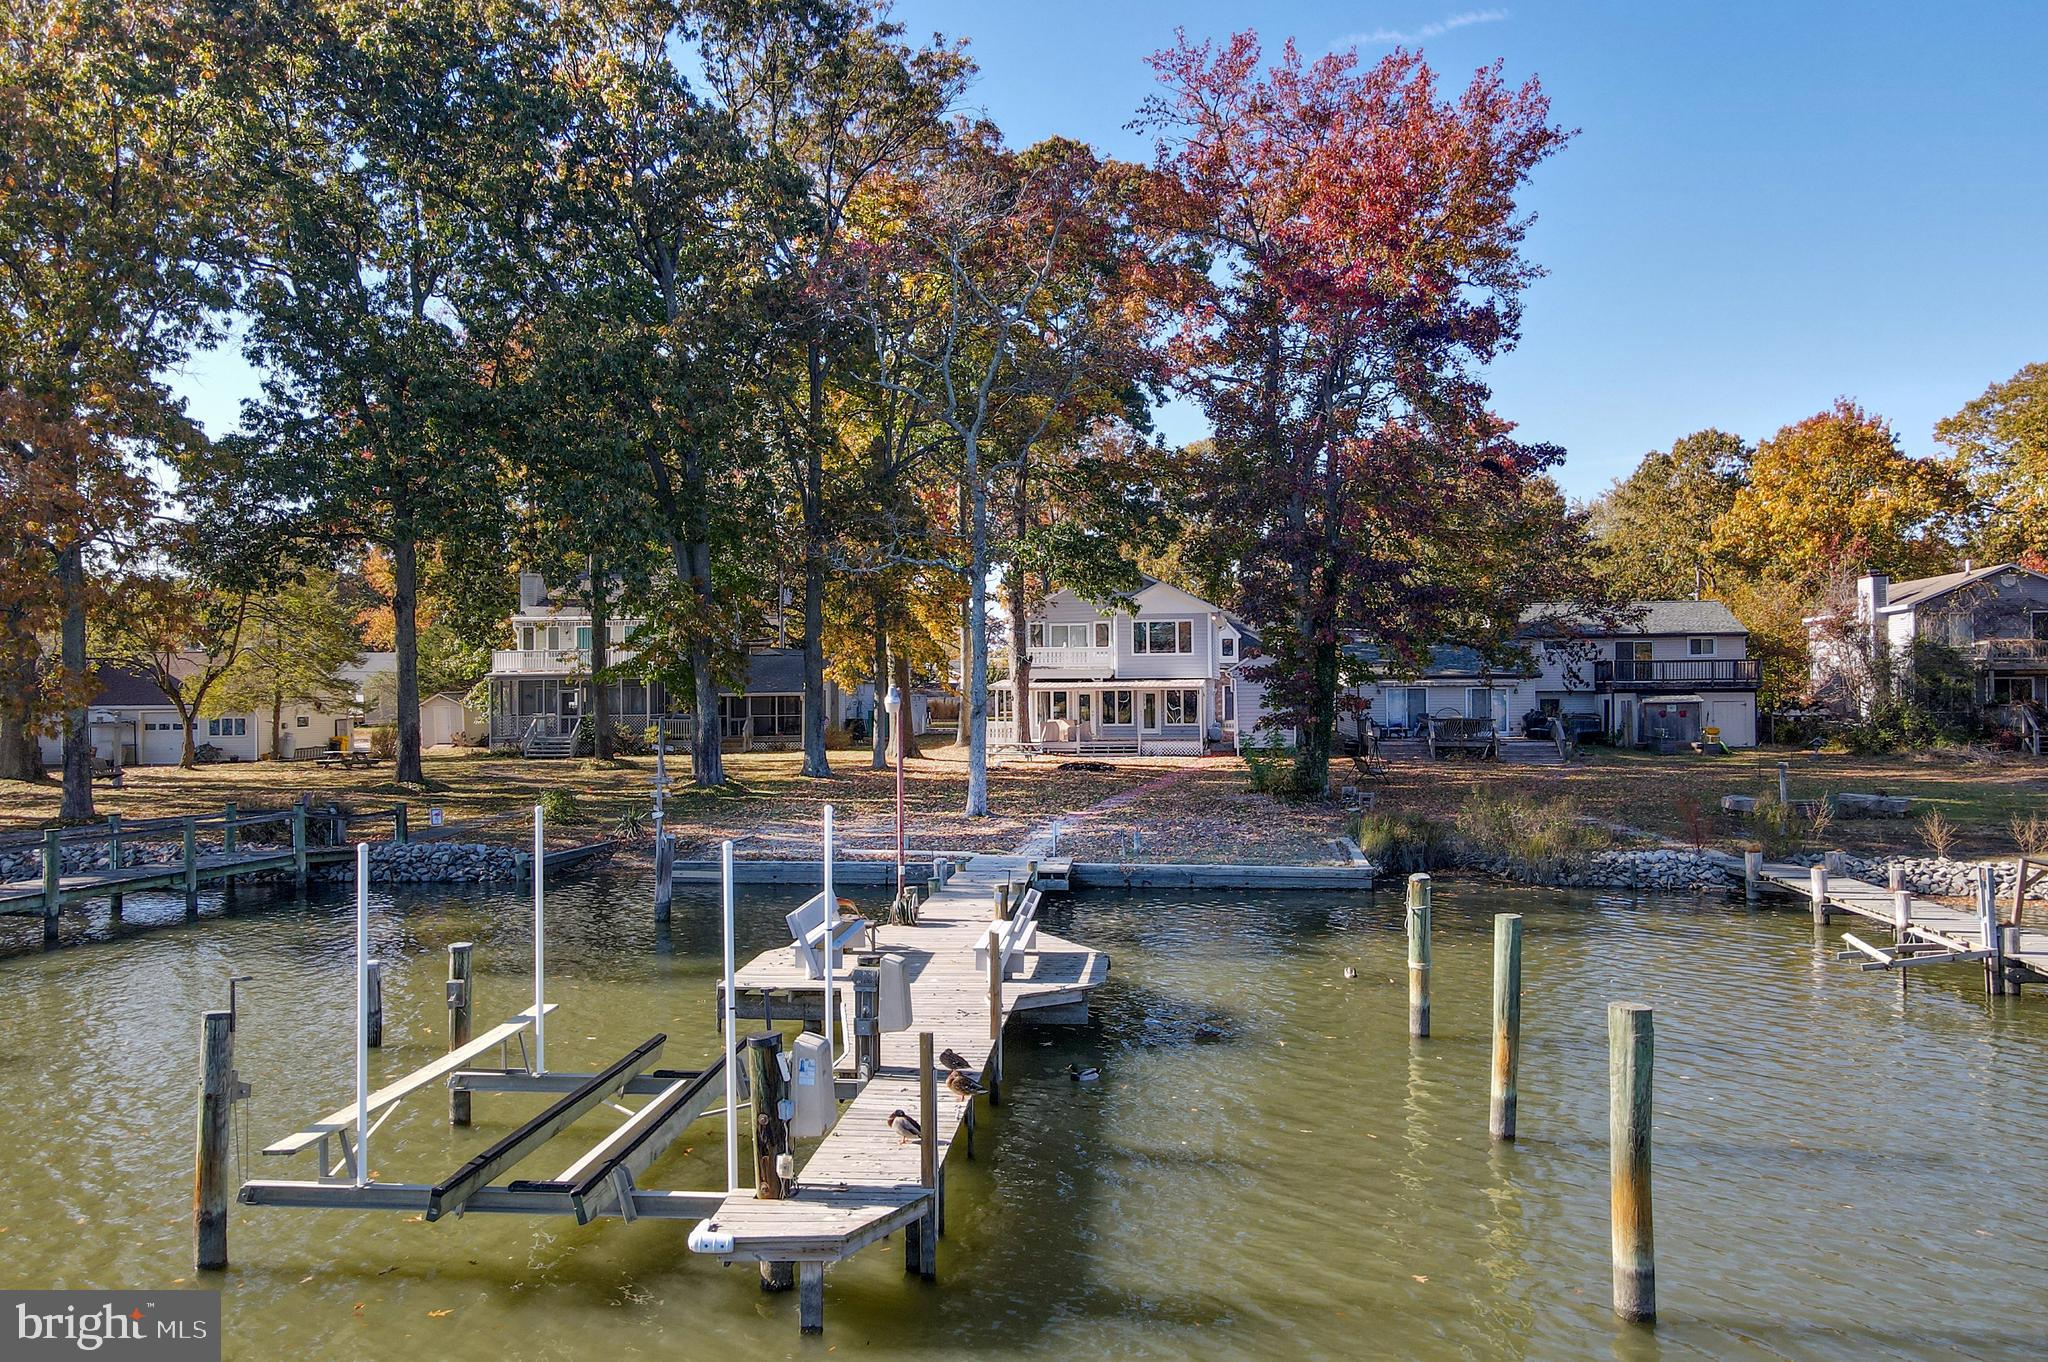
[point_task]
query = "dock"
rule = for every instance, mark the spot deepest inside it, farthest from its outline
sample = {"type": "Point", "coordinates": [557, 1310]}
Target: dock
{"type": "Point", "coordinates": [1922, 931]}
{"type": "Point", "coordinates": [863, 1181]}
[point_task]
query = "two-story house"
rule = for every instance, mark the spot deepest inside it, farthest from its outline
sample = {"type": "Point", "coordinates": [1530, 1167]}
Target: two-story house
{"type": "Point", "coordinates": [1161, 676]}
{"type": "Point", "coordinates": [1662, 672]}
{"type": "Point", "coordinates": [541, 686]}
{"type": "Point", "coordinates": [1993, 620]}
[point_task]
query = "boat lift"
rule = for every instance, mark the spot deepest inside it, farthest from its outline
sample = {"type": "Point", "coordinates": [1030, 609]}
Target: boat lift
{"type": "Point", "coordinates": [599, 1181]}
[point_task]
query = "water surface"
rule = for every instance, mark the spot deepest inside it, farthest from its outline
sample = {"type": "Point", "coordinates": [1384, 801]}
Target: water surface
{"type": "Point", "coordinates": [1268, 1168]}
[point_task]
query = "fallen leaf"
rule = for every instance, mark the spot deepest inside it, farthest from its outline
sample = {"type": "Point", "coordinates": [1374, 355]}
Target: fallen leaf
{"type": "Point", "coordinates": [439, 1314]}
{"type": "Point", "coordinates": [1421, 1277]}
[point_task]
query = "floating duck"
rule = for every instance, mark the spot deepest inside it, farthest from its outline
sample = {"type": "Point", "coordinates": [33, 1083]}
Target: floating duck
{"type": "Point", "coordinates": [1350, 973]}
{"type": "Point", "coordinates": [905, 1125]}
{"type": "Point", "coordinates": [1081, 1075]}
{"type": "Point", "coordinates": [963, 1084]}
{"type": "Point", "coordinates": [952, 1060]}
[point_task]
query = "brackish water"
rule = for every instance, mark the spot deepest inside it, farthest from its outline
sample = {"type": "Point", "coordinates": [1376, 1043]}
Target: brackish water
{"type": "Point", "coordinates": [1269, 1167]}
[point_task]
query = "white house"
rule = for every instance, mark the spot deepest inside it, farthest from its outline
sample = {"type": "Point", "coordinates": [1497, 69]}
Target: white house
{"type": "Point", "coordinates": [540, 687]}
{"type": "Point", "coordinates": [1672, 670]}
{"type": "Point", "coordinates": [1162, 676]}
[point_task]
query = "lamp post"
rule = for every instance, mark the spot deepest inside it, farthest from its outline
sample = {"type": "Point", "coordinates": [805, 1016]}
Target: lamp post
{"type": "Point", "coordinates": [893, 702]}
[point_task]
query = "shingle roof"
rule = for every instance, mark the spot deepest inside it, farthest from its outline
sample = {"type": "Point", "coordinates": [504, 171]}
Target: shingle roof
{"type": "Point", "coordinates": [1445, 659]}
{"type": "Point", "coordinates": [1641, 617]}
{"type": "Point", "coordinates": [1922, 589]}
{"type": "Point", "coordinates": [778, 671]}
{"type": "Point", "coordinates": [127, 688]}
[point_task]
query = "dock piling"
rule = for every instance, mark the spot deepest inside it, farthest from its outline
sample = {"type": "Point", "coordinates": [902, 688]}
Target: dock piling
{"type": "Point", "coordinates": [400, 818]}
{"type": "Point", "coordinates": [114, 859]}
{"type": "Point", "coordinates": [53, 883]}
{"type": "Point", "coordinates": [1902, 916]}
{"type": "Point", "coordinates": [1994, 939]}
{"type": "Point", "coordinates": [765, 1090]}
{"type": "Point", "coordinates": [1507, 1023]}
{"type": "Point", "coordinates": [210, 1174]}
{"type": "Point", "coordinates": [1001, 897]}
{"type": "Point", "coordinates": [995, 1017]}
{"type": "Point", "coordinates": [458, 1023]}
{"type": "Point", "coordinates": [375, 1002]}
{"type": "Point", "coordinates": [1418, 954]}
{"type": "Point", "coordinates": [230, 838]}
{"type": "Point", "coordinates": [1752, 874]}
{"type": "Point", "coordinates": [299, 843]}
{"type": "Point", "coordinates": [921, 1237]}
{"type": "Point", "coordinates": [664, 873]}
{"type": "Point", "coordinates": [1895, 877]}
{"type": "Point", "coordinates": [1817, 890]}
{"type": "Point", "coordinates": [1631, 1054]}
{"type": "Point", "coordinates": [191, 867]}
{"type": "Point", "coordinates": [810, 1296]}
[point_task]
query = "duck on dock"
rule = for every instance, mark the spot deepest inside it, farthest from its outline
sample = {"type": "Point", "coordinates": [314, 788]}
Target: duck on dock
{"type": "Point", "coordinates": [1078, 1074]}
{"type": "Point", "coordinates": [963, 1084]}
{"type": "Point", "coordinates": [952, 1060]}
{"type": "Point", "coordinates": [905, 1125]}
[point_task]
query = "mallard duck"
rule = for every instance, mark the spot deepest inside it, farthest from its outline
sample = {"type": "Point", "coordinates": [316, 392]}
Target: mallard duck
{"type": "Point", "coordinates": [1350, 973]}
{"type": "Point", "coordinates": [1081, 1075]}
{"type": "Point", "coordinates": [905, 1125]}
{"type": "Point", "coordinates": [963, 1084]}
{"type": "Point", "coordinates": [952, 1060]}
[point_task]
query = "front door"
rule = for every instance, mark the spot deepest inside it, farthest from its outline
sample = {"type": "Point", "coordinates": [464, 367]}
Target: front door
{"type": "Point", "coordinates": [1149, 703]}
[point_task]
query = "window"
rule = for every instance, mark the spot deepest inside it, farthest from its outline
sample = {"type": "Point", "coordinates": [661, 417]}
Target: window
{"type": "Point", "coordinates": [1699, 647]}
{"type": "Point", "coordinates": [1068, 635]}
{"type": "Point", "coordinates": [1162, 636]}
{"type": "Point", "coordinates": [241, 728]}
{"type": "Point", "coordinates": [1228, 646]}
{"type": "Point", "coordinates": [1084, 707]}
{"type": "Point", "coordinates": [300, 721]}
{"type": "Point", "coordinates": [1056, 705]}
{"type": "Point", "coordinates": [776, 716]}
{"type": "Point", "coordinates": [1151, 707]}
{"type": "Point", "coordinates": [1102, 633]}
{"type": "Point", "coordinates": [1183, 706]}
{"type": "Point", "coordinates": [1002, 705]}
{"type": "Point", "coordinates": [526, 637]}
{"type": "Point", "coordinates": [1116, 707]}
{"type": "Point", "coordinates": [2041, 626]}
{"type": "Point", "coordinates": [1632, 652]}
{"type": "Point", "coordinates": [2007, 690]}
{"type": "Point", "coordinates": [213, 728]}
{"type": "Point", "coordinates": [583, 637]}
{"type": "Point", "coordinates": [1038, 636]}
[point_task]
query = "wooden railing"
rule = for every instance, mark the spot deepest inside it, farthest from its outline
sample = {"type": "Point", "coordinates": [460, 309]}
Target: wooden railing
{"type": "Point", "coordinates": [1718, 672]}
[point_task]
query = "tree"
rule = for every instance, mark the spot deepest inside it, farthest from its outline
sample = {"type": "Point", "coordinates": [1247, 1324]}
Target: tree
{"type": "Point", "coordinates": [183, 633]}
{"type": "Point", "coordinates": [826, 88]}
{"type": "Point", "coordinates": [2000, 441]}
{"type": "Point", "coordinates": [111, 271]}
{"type": "Point", "coordinates": [1833, 491]}
{"type": "Point", "coordinates": [1655, 527]}
{"type": "Point", "coordinates": [389, 155]}
{"type": "Point", "coordinates": [295, 643]}
{"type": "Point", "coordinates": [1364, 258]}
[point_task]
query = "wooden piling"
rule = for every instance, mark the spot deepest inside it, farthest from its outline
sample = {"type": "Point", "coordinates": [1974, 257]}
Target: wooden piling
{"type": "Point", "coordinates": [191, 864]}
{"type": "Point", "coordinates": [921, 1238]}
{"type": "Point", "coordinates": [1418, 954]}
{"type": "Point", "coordinates": [867, 1023]}
{"type": "Point", "coordinates": [1784, 786]}
{"type": "Point", "coordinates": [230, 837]}
{"type": "Point", "coordinates": [2009, 945]}
{"type": "Point", "coordinates": [1507, 1023]}
{"type": "Point", "coordinates": [53, 883]}
{"type": "Point", "coordinates": [299, 844]}
{"type": "Point", "coordinates": [995, 1017]}
{"type": "Point", "coordinates": [400, 821]}
{"type": "Point", "coordinates": [1752, 874]}
{"type": "Point", "coordinates": [1902, 916]}
{"type": "Point", "coordinates": [210, 1173]}
{"type": "Point", "coordinates": [458, 1023]}
{"type": "Point", "coordinates": [810, 1295]}
{"type": "Point", "coordinates": [1817, 890]}
{"type": "Point", "coordinates": [762, 1056]}
{"type": "Point", "coordinates": [1631, 1053]}
{"type": "Point", "coordinates": [1001, 896]}
{"type": "Point", "coordinates": [664, 875]}
{"type": "Point", "coordinates": [1895, 877]}
{"type": "Point", "coordinates": [374, 998]}
{"type": "Point", "coordinates": [1994, 940]}
{"type": "Point", "coordinates": [114, 859]}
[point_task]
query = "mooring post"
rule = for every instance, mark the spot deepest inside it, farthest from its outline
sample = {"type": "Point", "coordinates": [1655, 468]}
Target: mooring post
{"type": "Point", "coordinates": [1784, 788]}
{"type": "Point", "coordinates": [995, 1016]}
{"type": "Point", "coordinates": [1817, 889]}
{"type": "Point", "coordinates": [230, 838]}
{"type": "Point", "coordinates": [2009, 945]}
{"type": "Point", "coordinates": [1031, 874]}
{"type": "Point", "coordinates": [53, 883]}
{"type": "Point", "coordinates": [114, 859]}
{"type": "Point", "coordinates": [1895, 876]}
{"type": "Point", "coordinates": [376, 1003]}
{"type": "Point", "coordinates": [1418, 954]}
{"type": "Point", "coordinates": [1507, 1022]}
{"type": "Point", "coordinates": [399, 824]}
{"type": "Point", "coordinates": [1752, 874]}
{"type": "Point", "coordinates": [1001, 898]}
{"type": "Point", "coordinates": [867, 1023]}
{"type": "Point", "coordinates": [299, 842]}
{"type": "Point", "coordinates": [921, 1238]}
{"type": "Point", "coordinates": [810, 1296]}
{"type": "Point", "coordinates": [664, 874]}
{"type": "Point", "coordinates": [1994, 939]}
{"type": "Point", "coordinates": [763, 1062]}
{"type": "Point", "coordinates": [458, 1023]}
{"type": "Point", "coordinates": [210, 1177]}
{"type": "Point", "coordinates": [1631, 1052]}
{"type": "Point", "coordinates": [191, 868]}
{"type": "Point", "coordinates": [931, 888]}
{"type": "Point", "coordinates": [1902, 916]}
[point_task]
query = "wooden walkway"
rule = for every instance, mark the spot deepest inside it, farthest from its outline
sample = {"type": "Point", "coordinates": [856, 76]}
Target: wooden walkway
{"type": "Point", "coordinates": [1935, 933]}
{"type": "Point", "coordinates": [863, 1181]}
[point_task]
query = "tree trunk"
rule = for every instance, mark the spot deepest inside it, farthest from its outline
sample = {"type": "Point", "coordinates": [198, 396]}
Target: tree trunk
{"type": "Point", "coordinates": [405, 586]}
{"type": "Point", "coordinates": [707, 756]}
{"type": "Point", "coordinates": [904, 731]}
{"type": "Point", "coordinates": [188, 719]}
{"type": "Point", "coordinates": [816, 763]}
{"type": "Point", "coordinates": [21, 756]}
{"type": "Point", "coordinates": [77, 806]}
{"type": "Point", "coordinates": [600, 658]}
{"type": "Point", "coordinates": [1020, 653]}
{"type": "Point", "coordinates": [277, 725]}
{"type": "Point", "coordinates": [879, 731]}
{"type": "Point", "coordinates": [976, 716]}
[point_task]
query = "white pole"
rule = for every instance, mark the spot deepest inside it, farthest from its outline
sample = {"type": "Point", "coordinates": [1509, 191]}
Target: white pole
{"type": "Point", "coordinates": [732, 1110]}
{"type": "Point", "coordinates": [362, 1014]}
{"type": "Point", "coordinates": [540, 958]}
{"type": "Point", "coordinates": [831, 930]}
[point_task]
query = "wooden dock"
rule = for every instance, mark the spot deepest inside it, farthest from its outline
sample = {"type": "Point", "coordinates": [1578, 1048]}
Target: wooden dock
{"type": "Point", "coordinates": [863, 1181]}
{"type": "Point", "coordinates": [1920, 931]}
{"type": "Point", "coordinates": [48, 894]}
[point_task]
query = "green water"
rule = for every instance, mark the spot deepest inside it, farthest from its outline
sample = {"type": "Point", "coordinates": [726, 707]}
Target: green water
{"type": "Point", "coordinates": [1269, 1168]}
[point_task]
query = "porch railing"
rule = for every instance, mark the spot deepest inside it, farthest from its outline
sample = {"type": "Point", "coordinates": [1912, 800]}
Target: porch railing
{"type": "Point", "coordinates": [1743, 673]}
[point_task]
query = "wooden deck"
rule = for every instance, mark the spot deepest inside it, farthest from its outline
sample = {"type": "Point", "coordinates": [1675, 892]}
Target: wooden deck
{"type": "Point", "coordinates": [862, 1181]}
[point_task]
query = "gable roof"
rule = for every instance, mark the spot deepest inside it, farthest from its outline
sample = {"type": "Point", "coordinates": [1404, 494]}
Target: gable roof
{"type": "Point", "coordinates": [1650, 617]}
{"type": "Point", "coordinates": [1445, 660]}
{"type": "Point", "coordinates": [778, 671]}
{"type": "Point", "coordinates": [127, 688]}
{"type": "Point", "coordinates": [1920, 590]}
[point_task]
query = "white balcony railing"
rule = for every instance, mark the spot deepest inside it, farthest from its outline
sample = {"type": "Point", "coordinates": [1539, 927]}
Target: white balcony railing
{"type": "Point", "coordinates": [551, 661]}
{"type": "Point", "coordinates": [1074, 659]}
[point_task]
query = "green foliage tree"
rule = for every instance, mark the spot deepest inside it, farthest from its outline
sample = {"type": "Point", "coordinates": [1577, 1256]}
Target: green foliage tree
{"type": "Point", "coordinates": [1654, 528]}
{"type": "Point", "coordinates": [2001, 441]}
{"type": "Point", "coordinates": [294, 645]}
{"type": "Point", "coordinates": [184, 633]}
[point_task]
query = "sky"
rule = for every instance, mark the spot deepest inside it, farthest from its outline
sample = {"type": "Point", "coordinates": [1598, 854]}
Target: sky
{"type": "Point", "coordinates": [1767, 205]}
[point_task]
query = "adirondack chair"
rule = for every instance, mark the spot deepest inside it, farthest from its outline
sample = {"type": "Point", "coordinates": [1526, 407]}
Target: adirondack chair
{"type": "Point", "coordinates": [807, 935]}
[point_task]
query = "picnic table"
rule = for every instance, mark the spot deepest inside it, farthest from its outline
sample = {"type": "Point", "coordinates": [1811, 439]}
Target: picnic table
{"type": "Point", "coordinates": [348, 759]}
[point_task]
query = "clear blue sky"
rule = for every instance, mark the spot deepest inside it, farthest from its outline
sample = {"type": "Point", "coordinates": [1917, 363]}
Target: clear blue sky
{"type": "Point", "coordinates": [1768, 205]}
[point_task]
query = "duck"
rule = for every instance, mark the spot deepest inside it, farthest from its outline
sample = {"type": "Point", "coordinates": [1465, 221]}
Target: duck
{"type": "Point", "coordinates": [952, 1060]}
{"type": "Point", "coordinates": [905, 1125]}
{"type": "Point", "coordinates": [963, 1084]}
{"type": "Point", "coordinates": [1081, 1075]}
{"type": "Point", "coordinates": [1350, 973]}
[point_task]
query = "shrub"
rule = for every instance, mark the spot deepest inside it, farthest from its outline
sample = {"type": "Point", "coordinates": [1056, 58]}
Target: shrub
{"type": "Point", "coordinates": [1939, 832]}
{"type": "Point", "coordinates": [1530, 829]}
{"type": "Point", "coordinates": [560, 806]}
{"type": "Point", "coordinates": [1692, 818]}
{"type": "Point", "coordinates": [1271, 767]}
{"type": "Point", "coordinates": [839, 738]}
{"type": "Point", "coordinates": [384, 742]}
{"type": "Point", "coordinates": [628, 741]}
{"type": "Point", "coordinates": [1402, 843]}
{"type": "Point", "coordinates": [2030, 835]}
